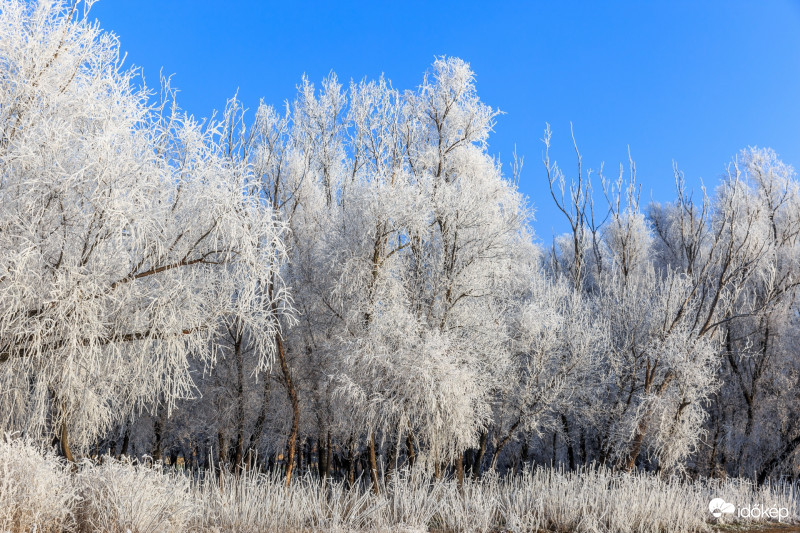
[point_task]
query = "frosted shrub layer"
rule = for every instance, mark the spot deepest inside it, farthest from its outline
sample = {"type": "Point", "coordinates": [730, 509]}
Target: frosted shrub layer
{"type": "Point", "coordinates": [38, 490]}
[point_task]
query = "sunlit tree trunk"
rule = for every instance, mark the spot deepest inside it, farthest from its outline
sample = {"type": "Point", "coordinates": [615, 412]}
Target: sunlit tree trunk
{"type": "Point", "coordinates": [373, 464]}
{"type": "Point", "coordinates": [64, 441]}
{"type": "Point", "coordinates": [460, 470]}
{"type": "Point", "coordinates": [287, 376]}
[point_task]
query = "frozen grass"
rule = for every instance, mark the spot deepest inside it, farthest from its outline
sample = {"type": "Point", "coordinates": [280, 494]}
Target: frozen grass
{"type": "Point", "coordinates": [123, 496]}
{"type": "Point", "coordinates": [38, 492]}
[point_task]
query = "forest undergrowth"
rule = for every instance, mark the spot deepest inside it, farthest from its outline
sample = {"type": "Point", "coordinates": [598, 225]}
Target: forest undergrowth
{"type": "Point", "coordinates": [41, 492]}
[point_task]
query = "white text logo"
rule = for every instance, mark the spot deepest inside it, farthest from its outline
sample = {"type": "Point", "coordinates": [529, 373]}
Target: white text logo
{"type": "Point", "coordinates": [718, 507]}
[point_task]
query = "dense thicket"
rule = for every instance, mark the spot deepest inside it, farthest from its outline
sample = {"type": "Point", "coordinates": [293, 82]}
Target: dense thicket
{"type": "Point", "coordinates": [144, 260]}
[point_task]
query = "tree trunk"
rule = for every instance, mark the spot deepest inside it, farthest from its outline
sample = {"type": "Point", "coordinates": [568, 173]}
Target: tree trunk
{"type": "Point", "coordinates": [602, 446]}
{"type": "Point", "coordinates": [568, 439]}
{"type": "Point", "coordinates": [64, 441]}
{"type": "Point", "coordinates": [776, 460]}
{"type": "Point", "coordinates": [287, 376]}
{"type": "Point", "coordinates": [636, 445]}
{"type": "Point", "coordinates": [222, 453]}
{"type": "Point", "coordinates": [237, 349]}
{"type": "Point", "coordinates": [222, 457]}
{"type": "Point", "coordinates": [712, 461]}
{"type": "Point", "coordinates": [126, 440]}
{"type": "Point", "coordinates": [351, 463]}
{"type": "Point", "coordinates": [641, 428]}
{"type": "Point", "coordinates": [476, 468]}
{"type": "Point", "coordinates": [310, 447]}
{"type": "Point", "coordinates": [290, 389]}
{"type": "Point", "coordinates": [322, 457]}
{"type": "Point", "coordinates": [301, 455]}
{"type": "Point", "coordinates": [158, 433]}
{"type": "Point", "coordinates": [460, 471]}
{"type": "Point", "coordinates": [506, 440]}
{"type": "Point", "coordinates": [524, 453]}
{"type": "Point", "coordinates": [373, 464]}
{"type": "Point", "coordinates": [410, 449]}
{"type": "Point", "coordinates": [555, 448]}
{"type": "Point", "coordinates": [584, 453]}
{"type": "Point", "coordinates": [328, 454]}
{"type": "Point", "coordinates": [258, 430]}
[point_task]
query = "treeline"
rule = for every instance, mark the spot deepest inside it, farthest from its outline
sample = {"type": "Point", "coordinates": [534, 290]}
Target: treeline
{"type": "Point", "coordinates": [351, 284]}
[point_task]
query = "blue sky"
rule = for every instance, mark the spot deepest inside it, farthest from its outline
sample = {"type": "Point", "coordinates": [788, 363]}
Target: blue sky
{"type": "Point", "coordinates": [692, 82]}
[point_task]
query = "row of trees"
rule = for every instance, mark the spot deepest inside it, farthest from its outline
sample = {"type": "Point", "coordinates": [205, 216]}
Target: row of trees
{"type": "Point", "coordinates": [351, 284]}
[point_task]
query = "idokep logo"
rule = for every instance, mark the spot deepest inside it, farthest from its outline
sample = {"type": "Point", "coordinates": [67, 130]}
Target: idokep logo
{"type": "Point", "coordinates": [718, 507]}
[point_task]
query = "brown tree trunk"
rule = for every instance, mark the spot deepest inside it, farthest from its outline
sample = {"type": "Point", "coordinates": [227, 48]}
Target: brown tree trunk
{"type": "Point", "coordinates": [506, 440]}
{"type": "Point", "coordinates": [460, 471]}
{"type": "Point", "coordinates": [373, 464]}
{"type": "Point", "coordinates": [290, 390]}
{"type": "Point", "coordinates": [64, 441]}
{"type": "Point", "coordinates": [641, 428]}
{"type": "Point", "coordinates": [636, 445]}
{"type": "Point", "coordinates": [287, 376]}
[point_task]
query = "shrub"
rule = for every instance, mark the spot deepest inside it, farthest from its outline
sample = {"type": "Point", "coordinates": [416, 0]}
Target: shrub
{"type": "Point", "coordinates": [36, 493]}
{"type": "Point", "coordinates": [128, 497]}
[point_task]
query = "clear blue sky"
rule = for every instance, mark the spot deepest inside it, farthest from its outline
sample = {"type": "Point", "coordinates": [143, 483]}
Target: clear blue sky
{"type": "Point", "coordinates": [692, 82]}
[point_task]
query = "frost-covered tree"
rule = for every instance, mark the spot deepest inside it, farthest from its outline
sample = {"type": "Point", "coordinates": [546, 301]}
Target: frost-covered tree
{"type": "Point", "coordinates": [127, 238]}
{"type": "Point", "coordinates": [740, 250]}
{"type": "Point", "coordinates": [434, 228]}
{"type": "Point", "coordinates": [657, 363]}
